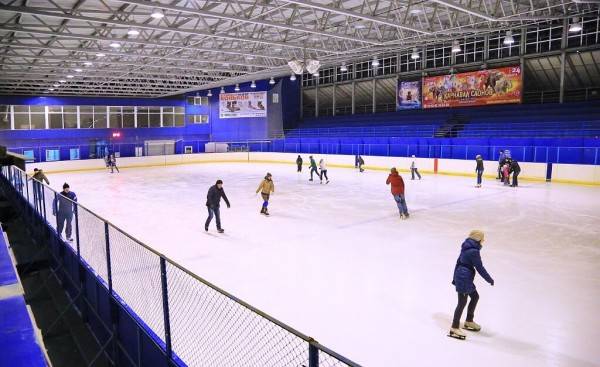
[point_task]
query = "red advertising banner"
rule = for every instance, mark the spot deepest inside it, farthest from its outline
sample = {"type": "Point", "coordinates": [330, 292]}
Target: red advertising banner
{"type": "Point", "coordinates": [476, 88]}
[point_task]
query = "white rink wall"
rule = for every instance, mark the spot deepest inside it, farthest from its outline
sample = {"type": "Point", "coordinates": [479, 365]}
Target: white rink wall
{"type": "Point", "coordinates": [568, 173]}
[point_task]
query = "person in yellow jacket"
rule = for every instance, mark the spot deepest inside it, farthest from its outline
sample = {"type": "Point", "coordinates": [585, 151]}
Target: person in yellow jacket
{"type": "Point", "coordinates": [265, 188]}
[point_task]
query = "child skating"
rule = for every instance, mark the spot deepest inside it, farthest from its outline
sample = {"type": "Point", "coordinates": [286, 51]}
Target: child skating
{"type": "Point", "coordinates": [112, 161]}
{"type": "Point", "coordinates": [313, 168]}
{"type": "Point", "coordinates": [299, 162]}
{"type": "Point", "coordinates": [397, 183]}
{"type": "Point", "coordinates": [413, 169]}
{"type": "Point", "coordinates": [265, 188]}
{"type": "Point", "coordinates": [479, 169]}
{"type": "Point", "coordinates": [468, 262]}
{"type": "Point", "coordinates": [323, 168]}
{"type": "Point", "coordinates": [361, 163]}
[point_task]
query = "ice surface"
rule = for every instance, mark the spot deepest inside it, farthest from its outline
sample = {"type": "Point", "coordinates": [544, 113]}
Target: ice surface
{"type": "Point", "coordinates": [336, 262]}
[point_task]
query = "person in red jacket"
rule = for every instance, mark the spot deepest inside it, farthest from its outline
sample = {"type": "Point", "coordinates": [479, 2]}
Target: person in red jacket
{"type": "Point", "coordinates": [397, 183]}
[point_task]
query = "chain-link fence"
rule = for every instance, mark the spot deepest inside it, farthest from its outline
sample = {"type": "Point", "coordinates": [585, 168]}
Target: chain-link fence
{"type": "Point", "coordinates": [194, 322]}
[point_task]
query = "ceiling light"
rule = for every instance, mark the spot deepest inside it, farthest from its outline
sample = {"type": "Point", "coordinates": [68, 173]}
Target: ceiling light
{"type": "Point", "coordinates": [78, 70]}
{"type": "Point", "coordinates": [115, 45]}
{"type": "Point", "coordinates": [575, 26]}
{"type": "Point", "coordinates": [209, 94]}
{"type": "Point", "coordinates": [415, 11]}
{"type": "Point", "coordinates": [293, 77]}
{"type": "Point", "coordinates": [250, 57]}
{"type": "Point", "coordinates": [56, 85]}
{"type": "Point", "coordinates": [62, 81]}
{"type": "Point", "coordinates": [222, 90]}
{"type": "Point", "coordinates": [271, 81]}
{"type": "Point", "coordinates": [415, 54]}
{"type": "Point", "coordinates": [343, 68]}
{"type": "Point", "coordinates": [133, 32]}
{"type": "Point", "coordinates": [237, 88]}
{"type": "Point", "coordinates": [508, 38]}
{"type": "Point", "coordinates": [157, 14]}
{"type": "Point", "coordinates": [316, 74]}
{"type": "Point", "coordinates": [100, 54]}
{"type": "Point", "coordinates": [70, 76]}
{"type": "Point", "coordinates": [87, 63]}
{"type": "Point", "coordinates": [253, 85]}
{"type": "Point", "coordinates": [312, 65]}
{"type": "Point", "coordinates": [360, 26]}
{"type": "Point", "coordinates": [277, 49]}
{"type": "Point", "coordinates": [50, 89]}
{"type": "Point", "coordinates": [375, 62]}
{"type": "Point", "coordinates": [455, 46]}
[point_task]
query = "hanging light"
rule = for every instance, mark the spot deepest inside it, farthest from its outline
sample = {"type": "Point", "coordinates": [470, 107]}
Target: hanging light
{"type": "Point", "coordinates": [70, 76]}
{"type": "Point", "coordinates": [50, 89]}
{"type": "Point", "coordinates": [575, 26]}
{"type": "Point", "coordinates": [293, 77]}
{"type": "Point", "coordinates": [508, 38]}
{"type": "Point", "coordinates": [375, 62]}
{"type": "Point", "coordinates": [343, 68]}
{"type": "Point", "coordinates": [209, 94]}
{"type": "Point", "coordinates": [415, 54]}
{"type": "Point", "coordinates": [100, 54]}
{"type": "Point", "coordinates": [253, 85]}
{"type": "Point", "coordinates": [455, 46]}
{"type": "Point", "coordinates": [237, 88]}
{"type": "Point", "coordinates": [157, 14]}
{"type": "Point", "coordinates": [115, 45]}
{"type": "Point", "coordinates": [316, 74]}
{"type": "Point", "coordinates": [56, 85]}
{"type": "Point", "coordinates": [271, 81]}
{"type": "Point", "coordinates": [133, 32]}
{"type": "Point", "coordinates": [222, 90]}
{"type": "Point", "coordinates": [62, 81]}
{"type": "Point", "coordinates": [87, 63]}
{"type": "Point", "coordinates": [78, 70]}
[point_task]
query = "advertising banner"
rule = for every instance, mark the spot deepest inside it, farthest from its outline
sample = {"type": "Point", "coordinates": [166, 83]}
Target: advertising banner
{"type": "Point", "coordinates": [476, 88]}
{"type": "Point", "coordinates": [409, 95]}
{"type": "Point", "coordinates": [236, 105]}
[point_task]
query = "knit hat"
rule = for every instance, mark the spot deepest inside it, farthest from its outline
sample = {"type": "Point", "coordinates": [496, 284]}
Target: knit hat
{"type": "Point", "coordinates": [478, 156]}
{"type": "Point", "coordinates": [394, 170]}
{"type": "Point", "coordinates": [66, 185]}
{"type": "Point", "coordinates": [219, 182]}
{"type": "Point", "coordinates": [476, 235]}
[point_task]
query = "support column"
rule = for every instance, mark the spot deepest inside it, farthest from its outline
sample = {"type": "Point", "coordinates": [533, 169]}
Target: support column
{"type": "Point", "coordinates": [563, 45]}
{"type": "Point", "coordinates": [374, 97]}
{"type": "Point", "coordinates": [333, 98]}
{"type": "Point", "coordinates": [353, 98]}
{"type": "Point", "coordinates": [316, 97]}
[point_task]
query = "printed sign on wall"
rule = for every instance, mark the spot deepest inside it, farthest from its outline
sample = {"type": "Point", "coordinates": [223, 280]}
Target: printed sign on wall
{"type": "Point", "coordinates": [236, 105]}
{"type": "Point", "coordinates": [476, 88]}
{"type": "Point", "coordinates": [409, 95]}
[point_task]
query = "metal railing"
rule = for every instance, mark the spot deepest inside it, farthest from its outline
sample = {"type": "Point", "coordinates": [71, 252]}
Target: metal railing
{"type": "Point", "coordinates": [194, 322]}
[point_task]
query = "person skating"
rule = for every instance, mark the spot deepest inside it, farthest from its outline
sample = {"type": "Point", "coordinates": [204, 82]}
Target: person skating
{"type": "Point", "coordinates": [299, 162]}
{"type": "Point", "coordinates": [112, 161]}
{"type": "Point", "coordinates": [323, 168]}
{"type": "Point", "coordinates": [467, 263]}
{"type": "Point", "coordinates": [63, 208]}
{"type": "Point", "coordinates": [313, 168]}
{"type": "Point", "coordinates": [501, 157]}
{"type": "Point", "coordinates": [413, 169]}
{"type": "Point", "coordinates": [479, 169]}
{"type": "Point", "coordinates": [361, 163]}
{"type": "Point", "coordinates": [515, 169]}
{"type": "Point", "coordinates": [506, 172]}
{"type": "Point", "coordinates": [213, 203]}
{"type": "Point", "coordinates": [38, 188]}
{"type": "Point", "coordinates": [397, 186]}
{"type": "Point", "coordinates": [265, 188]}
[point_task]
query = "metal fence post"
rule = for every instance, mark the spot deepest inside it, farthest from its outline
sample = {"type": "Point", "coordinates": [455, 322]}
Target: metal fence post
{"type": "Point", "coordinates": [77, 229]}
{"type": "Point", "coordinates": [167, 319]}
{"type": "Point", "coordinates": [108, 266]}
{"type": "Point", "coordinates": [43, 209]}
{"type": "Point", "coordinates": [596, 157]}
{"type": "Point", "coordinates": [313, 355]}
{"type": "Point", "coordinates": [55, 212]}
{"type": "Point", "coordinates": [558, 155]}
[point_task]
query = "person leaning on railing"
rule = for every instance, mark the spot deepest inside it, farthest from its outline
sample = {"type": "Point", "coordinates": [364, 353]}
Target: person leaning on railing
{"type": "Point", "coordinates": [37, 178]}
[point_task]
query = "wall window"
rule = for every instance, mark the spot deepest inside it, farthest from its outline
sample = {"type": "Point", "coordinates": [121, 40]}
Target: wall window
{"type": "Point", "coordinates": [326, 76]}
{"type": "Point", "coordinates": [115, 117]}
{"type": "Point", "coordinates": [497, 48]}
{"type": "Point", "coordinates": [589, 35]}
{"type": "Point", "coordinates": [21, 114]}
{"type": "Point", "coordinates": [180, 115]}
{"type": "Point", "coordinates": [52, 155]}
{"type": "Point", "coordinates": [363, 69]}
{"type": "Point", "coordinates": [74, 153]}
{"type": "Point", "coordinates": [5, 117]}
{"type": "Point", "coordinates": [154, 116]}
{"type": "Point", "coordinates": [542, 39]}
{"type": "Point", "coordinates": [197, 101]}
{"type": "Point", "coordinates": [70, 117]}
{"type": "Point", "coordinates": [308, 80]}
{"type": "Point", "coordinates": [471, 51]}
{"type": "Point", "coordinates": [439, 56]}
{"type": "Point", "coordinates": [143, 119]}
{"type": "Point", "coordinates": [388, 65]}
{"type": "Point", "coordinates": [409, 64]}
{"type": "Point", "coordinates": [55, 115]}
{"type": "Point", "coordinates": [167, 117]}
{"type": "Point", "coordinates": [128, 116]}
{"type": "Point", "coordinates": [199, 119]}
{"type": "Point", "coordinates": [345, 75]}
{"type": "Point", "coordinates": [29, 156]}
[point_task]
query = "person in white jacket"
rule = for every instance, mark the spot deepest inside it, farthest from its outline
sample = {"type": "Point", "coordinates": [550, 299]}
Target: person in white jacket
{"type": "Point", "coordinates": [323, 168]}
{"type": "Point", "coordinates": [414, 169]}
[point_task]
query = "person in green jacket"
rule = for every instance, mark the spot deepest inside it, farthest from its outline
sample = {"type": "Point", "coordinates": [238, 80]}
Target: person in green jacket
{"type": "Point", "coordinates": [313, 168]}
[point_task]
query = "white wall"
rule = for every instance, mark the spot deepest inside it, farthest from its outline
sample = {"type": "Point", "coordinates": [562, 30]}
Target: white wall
{"type": "Point", "coordinates": [576, 173]}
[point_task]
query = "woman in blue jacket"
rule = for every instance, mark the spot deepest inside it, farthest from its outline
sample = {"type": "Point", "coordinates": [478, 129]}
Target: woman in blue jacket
{"type": "Point", "coordinates": [468, 261]}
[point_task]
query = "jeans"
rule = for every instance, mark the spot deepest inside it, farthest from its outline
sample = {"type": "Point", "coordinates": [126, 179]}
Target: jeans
{"type": "Point", "coordinates": [462, 301]}
{"type": "Point", "coordinates": [299, 168]}
{"type": "Point", "coordinates": [324, 173]}
{"type": "Point", "coordinates": [413, 171]}
{"type": "Point", "coordinates": [314, 170]}
{"type": "Point", "coordinates": [265, 198]}
{"type": "Point", "coordinates": [499, 172]}
{"type": "Point", "coordinates": [515, 180]}
{"type": "Point", "coordinates": [216, 213]}
{"type": "Point", "coordinates": [61, 219]}
{"type": "Point", "coordinates": [401, 202]}
{"type": "Point", "coordinates": [479, 174]}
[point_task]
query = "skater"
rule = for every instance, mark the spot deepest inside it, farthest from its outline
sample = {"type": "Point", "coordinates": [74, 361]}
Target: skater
{"type": "Point", "coordinates": [361, 163]}
{"type": "Point", "coordinates": [38, 188]}
{"type": "Point", "coordinates": [265, 188]}
{"type": "Point", "coordinates": [323, 168]}
{"type": "Point", "coordinates": [356, 163]}
{"type": "Point", "coordinates": [506, 173]}
{"type": "Point", "coordinates": [515, 169]}
{"type": "Point", "coordinates": [397, 183]}
{"type": "Point", "coordinates": [299, 162]}
{"type": "Point", "coordinates": [313, 168]}
{"type": "Point", "coordinates": [213, 203]}
{"type": "Point", "coordinates": [414, 169]}
{"type": "Point", "coordinates": [500, 164]}
{"type": "Point", "coordinates": [468, 261]}
{"type": "Point", "coordinates": [63, 208]}
{"type": "Point", "coordinates": [112, 161]}
{"type": "Point", "coordinates": [479, 169]}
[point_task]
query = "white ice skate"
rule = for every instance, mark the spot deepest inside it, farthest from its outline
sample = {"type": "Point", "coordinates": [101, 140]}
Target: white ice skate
{"type": "Point", "coordinates": [471, 326]}
{"type": "Point", "coordinates": [457, 333]}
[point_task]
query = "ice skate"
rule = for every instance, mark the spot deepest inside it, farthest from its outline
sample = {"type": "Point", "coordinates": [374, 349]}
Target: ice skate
{"type": "Point", "coordinates": [402, 216]}
{"type": "Point", "coordinates": [70, 239]}
{"type": "Point", "coordinates": [206, 229]}
{"type": "Point", "coordinates": [327, 182]}
{"type": "Point", "coordinates": [406, 216]}
{"type": "Point", "coordinates": [220, 230]}
{"type": "Point", "coordinates": [457, 333]}
{"type": "Point", "coordinates": [266, 212]}
{"type": "Point", "coordinates": [471, 326]}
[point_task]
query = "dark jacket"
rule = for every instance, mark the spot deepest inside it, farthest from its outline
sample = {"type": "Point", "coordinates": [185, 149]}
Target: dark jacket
{"type": "Point", "coordinates": [361, 161]}
{"type": "Point", "coordinates": [468, 261]}
{"type": "Point", "coordinates": [299, 160]}
{"type": "Point", "coordinates": [514, 167]}
{"type": "Point", "coordinates": [313, 163]}
{"type": "Point", "coordinates": [213, 198]}
{"type": "Point", "coordinates": [62, 205]}
{"type": "Point", "coordinates": [397, 184]}
{"type": "Point", "coordinates": [479, 165]}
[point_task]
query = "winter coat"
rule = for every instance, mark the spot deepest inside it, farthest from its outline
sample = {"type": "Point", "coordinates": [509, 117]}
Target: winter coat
{"type": "Point", "coordinates": [213, 198]}
{"type": "Point", "coordinates": [62, 205]}
{"type": "Point", "coordinates": [479, 167]}
{"type": "Point", "coordinates": [397, 183]}
{"type": "Point", "coordinates": [361, 161]}
{"type": "Point", "coordinates": [505, 170]}
{"type": "Point", "coordinates": [468, 261]}
{"type": "Point", "coordinates": [40, 176]}
{"type": "Point", "coordinates": [266, 187]}
{"type": "Point", "coordinates": [323, 166]}
{"type": "Point", "coordinates": [299, 161]}
{"type": "Point", "coordinates": [501, 158]}
{"type": "Point", "coordinates": [413, 165]}
{"type": "Point", "coordinates": [514, 167]}
{"type": "Point", "coordinates": [313, 163]}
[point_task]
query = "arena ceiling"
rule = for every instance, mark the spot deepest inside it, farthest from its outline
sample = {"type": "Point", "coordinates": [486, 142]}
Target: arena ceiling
{"type": "Point", "coordinates": [126, 48]}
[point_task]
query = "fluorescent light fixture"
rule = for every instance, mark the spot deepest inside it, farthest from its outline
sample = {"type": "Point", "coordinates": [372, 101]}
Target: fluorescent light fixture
{"type": "Point", "coordinates": [78, 70]}
{"type": "Point", "coordinates": [62, 81]}
{"type": "Point", "coordinates": [360, 26]}
{"type": "Point", "coordinates": [271, 81]}
{"type": "Point", "coordinates": [237, 88]}
{"type": "Point", "coordinates": [249, 57]}
{"type": "Point", "coordinates": [455, 46]}
{"type": "Point", "coordinates": [343, 68]}
{"type": "Point", "coordinates": [50, 89]}
{"type": "Point", "coordinates": [575, 26]}
{"type": "Point", "coordinates": [115, 44]}
{"type": "Point", "coordinates": [316, 74]}
{"type": "Point", "coordinates": [87, 63]}
{"type": "Point", "coordinates": [209, 94]}
{"type": "Point", "coordinates": [312, 65]}
{"type": "Point", "coordinates": [293, 77]}
{"type": "Point", "coordinates": [508, 38]}
{"type": "Point", "coordinates": [70, 76]}
{"type": "Point", "coordinates": [253, 85]}
{"type": "Point", "coordinates": [56, 85]}
{"type": "Point", "coordinates": [415, 54]}
{"type": "Point", "coordinates": [157, 14]}
{"type": "Point", "coordinates": [222, 90]}
{"type": "Point", "coordinates": [100, 54]}
{"type": "Point", "coordinates": [375, 62]}
{"type": "Point", "coordinates": [133, 32]}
